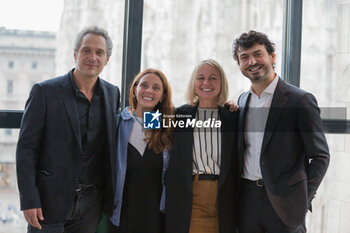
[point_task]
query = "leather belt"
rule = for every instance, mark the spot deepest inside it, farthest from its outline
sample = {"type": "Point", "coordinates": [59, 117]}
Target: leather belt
{"type": "Point", "coordinates": [258, 183]}
{"type": "Point", "coordinates": [207, 177]}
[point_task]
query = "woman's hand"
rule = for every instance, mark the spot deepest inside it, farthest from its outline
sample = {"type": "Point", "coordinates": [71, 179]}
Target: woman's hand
{"type": "Point", "coordinates": [232, 106]}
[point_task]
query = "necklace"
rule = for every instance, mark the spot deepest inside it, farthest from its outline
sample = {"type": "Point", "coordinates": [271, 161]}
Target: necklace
{"type": "Point", "coordinates": [137, 119]}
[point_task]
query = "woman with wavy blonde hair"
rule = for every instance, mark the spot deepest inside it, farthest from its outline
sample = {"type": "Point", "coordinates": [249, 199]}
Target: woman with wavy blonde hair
{"type": "Point", "coordinates": [202, 176]}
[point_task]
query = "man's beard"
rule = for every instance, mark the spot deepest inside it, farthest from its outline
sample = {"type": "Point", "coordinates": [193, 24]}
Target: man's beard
{"type": "Point", "coordinates": [256, 78]}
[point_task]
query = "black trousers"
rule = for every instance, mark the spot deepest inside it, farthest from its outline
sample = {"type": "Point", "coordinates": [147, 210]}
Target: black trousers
{"type": "Point", "coordinates": [83, 216]}
{"type": "Point", "coordinates": [256, 214]}
{"type": "Point", "coordinates": [114, 229]}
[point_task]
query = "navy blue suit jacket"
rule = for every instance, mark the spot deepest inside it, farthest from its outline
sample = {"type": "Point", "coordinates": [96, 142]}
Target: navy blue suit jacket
{"type": "Point", "coordinates": [49, 143]}
{"type": "Point", "coordinates": [294, 155]}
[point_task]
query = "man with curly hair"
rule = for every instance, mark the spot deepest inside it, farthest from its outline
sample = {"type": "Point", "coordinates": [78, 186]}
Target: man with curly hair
{"type": "Point", "coordinates": [283, 151]}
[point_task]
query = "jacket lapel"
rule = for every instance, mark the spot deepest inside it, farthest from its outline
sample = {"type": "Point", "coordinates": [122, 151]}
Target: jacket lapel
{"type": "Point", "coordinates": [186, 137]}
{"type": "Point", "coordinates": [110, 111]}
{"type": "Point", "coordinates": [71, 107]}
{"type": "Point", "coordinates": [278, 104]}
{"type": "Point", "coordinates": [243, 103]}
{"type": "Point", "coordinates": [227, 142]}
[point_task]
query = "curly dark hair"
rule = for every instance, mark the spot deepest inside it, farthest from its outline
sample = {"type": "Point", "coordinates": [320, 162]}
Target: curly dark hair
{"type": "Point", "coordinates": [248, 40]}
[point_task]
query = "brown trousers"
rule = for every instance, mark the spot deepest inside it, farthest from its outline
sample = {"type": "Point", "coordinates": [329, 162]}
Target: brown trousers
{"type": "Point", "coordinates": [204, 217]}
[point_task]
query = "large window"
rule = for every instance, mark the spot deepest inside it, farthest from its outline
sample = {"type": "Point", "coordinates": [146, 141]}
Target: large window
{"type": "Point", "coordinates": [177, 35]}
{"type": "Point", "coordinates": [325, 65]}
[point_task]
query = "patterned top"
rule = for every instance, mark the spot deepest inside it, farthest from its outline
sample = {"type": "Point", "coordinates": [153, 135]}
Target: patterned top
{"type": "Point", "coordinates": [207, 144]}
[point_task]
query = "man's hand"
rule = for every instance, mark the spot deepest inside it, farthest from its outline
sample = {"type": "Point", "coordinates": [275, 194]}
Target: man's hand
{"type": "Point", "coordinates": [32, 216]}
{"type": "Point", "coordinates": [233, 107]}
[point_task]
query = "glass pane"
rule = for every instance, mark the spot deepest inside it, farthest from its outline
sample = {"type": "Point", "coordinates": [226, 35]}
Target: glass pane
{"type": "Point", "coordinates": [177, 35]}
{"type": "Point", "coordinates": [27, 55]}
{"type": "Point", "coordinates": [19, 48]}
{"type": "Point", "coordinates": [325, 65]}
{"type": "Point", "coordinates": [11, 218]}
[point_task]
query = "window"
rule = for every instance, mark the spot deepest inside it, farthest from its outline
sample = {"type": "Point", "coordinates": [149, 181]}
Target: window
{"type": "Point", "coordinates": [325, 59]}
{"type": "Point", "coordinates": [188, 36]}
{"type": "Point", "coordinates": [9, 86]}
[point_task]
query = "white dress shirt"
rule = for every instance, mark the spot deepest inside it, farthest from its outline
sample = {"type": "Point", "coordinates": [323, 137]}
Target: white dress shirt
{"type": "Point", "coordinates": [256, 118]}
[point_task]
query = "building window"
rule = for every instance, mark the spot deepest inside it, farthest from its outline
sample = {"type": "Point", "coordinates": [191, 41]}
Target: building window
{"type": "Point", "coordinates": [11, 64]}
{"type": "Point", "coordinates": [9, 86]}
{"type": "Point", "coordinates": [8, 132]}
{"type": "Point", "coordinates": [34, 65]}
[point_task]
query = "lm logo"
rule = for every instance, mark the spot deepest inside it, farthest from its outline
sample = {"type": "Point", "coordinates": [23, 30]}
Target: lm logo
{"type": "Point", "coordinates": [151, 120]}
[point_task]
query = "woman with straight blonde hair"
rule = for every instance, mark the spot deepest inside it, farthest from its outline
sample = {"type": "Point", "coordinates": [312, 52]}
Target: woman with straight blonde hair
{"type": "Point", "coordinates": [201, 181]}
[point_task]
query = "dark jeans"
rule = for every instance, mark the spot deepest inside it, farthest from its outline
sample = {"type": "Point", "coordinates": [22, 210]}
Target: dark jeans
{"type": "Point", "coordinates": [83, 216]}
{"type": "Point", "coordinates": [256, 214]}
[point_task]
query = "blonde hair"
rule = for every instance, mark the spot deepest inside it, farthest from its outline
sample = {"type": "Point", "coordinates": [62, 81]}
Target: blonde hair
{"type": "Point", "coordinates": [158, 139]}
{"type": "Point", "coordinates": [191, 96]}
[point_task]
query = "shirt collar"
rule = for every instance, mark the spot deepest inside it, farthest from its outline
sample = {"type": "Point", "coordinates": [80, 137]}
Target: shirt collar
{"type": "Point", "coordinates": [126, 114]}
{"type": "Point", "coordinates": [270, 89]}
{"type": "Point", "coordinates": [97, 87]}
{"type": "Point", "coordinates": [72, 82]}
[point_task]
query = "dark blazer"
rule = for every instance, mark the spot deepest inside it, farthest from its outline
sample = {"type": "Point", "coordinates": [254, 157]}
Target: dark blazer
{"type": "Point", "coordinates": [48, 148]}
{"type": "Point", "coordinates": [178, 205]}
{"type": "Point", "coordinates": [294, 155]}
